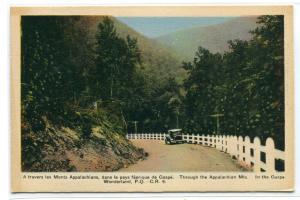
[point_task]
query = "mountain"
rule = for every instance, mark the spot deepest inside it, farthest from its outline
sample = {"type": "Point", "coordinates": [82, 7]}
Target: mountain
{"type": "Point", "coordinates": [157, 60]}
{"type": "Point", "coordinates": [213, 37]}
{"type": "Point", "coordinates": [162, 56]}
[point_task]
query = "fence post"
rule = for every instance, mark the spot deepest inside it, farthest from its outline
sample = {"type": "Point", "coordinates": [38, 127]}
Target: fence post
{"type": "Point", "coordinates": [270, 155]}
{"type": "Point", "coordinates": [205, 140]}
{"type": "Point", "coordinates": [235, 149]}
{"type": "Point", "coordinates": [198, 138]}
{"type": "Point", "coordinates": [222, 142]}
{"type": "Point", "coordinates": [256, 150]}
{"type": "Point", "coordinates": [229, 144]}
{"type": "Point", "coordinates": [233, 143]}
{"type": "Point", "coordinates": [214, 141]}
{"type": "Point", "coordinates": [247, 144]}
{"type": "Point", "coordinates": [193, 138]}
{"type": "Point", "coordinates": [226, 143]}
{"type": "Point", "coordinates": [185, 137]}
{"type": "Point", "coordinates": [218, 142]}
{"type": "Point", "coordinates": [240, 148]}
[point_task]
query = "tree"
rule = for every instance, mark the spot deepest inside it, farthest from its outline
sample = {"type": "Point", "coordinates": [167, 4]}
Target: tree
{"type": "Point", "coordinates": [246, 84]}
{"type": "Point", "coordinates": [205, 91]}
{"type": "Point", "coordinates": [116, 60]}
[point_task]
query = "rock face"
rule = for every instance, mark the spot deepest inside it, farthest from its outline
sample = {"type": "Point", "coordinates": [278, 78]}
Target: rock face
{"type": "Point", "coordinates": [62, 149]}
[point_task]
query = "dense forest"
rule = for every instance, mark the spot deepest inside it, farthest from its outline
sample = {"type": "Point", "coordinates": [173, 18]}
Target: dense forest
{"type": "Point", "coordinates": [246, 85]}
{"type": "Point", "coordinates": [73, 79]}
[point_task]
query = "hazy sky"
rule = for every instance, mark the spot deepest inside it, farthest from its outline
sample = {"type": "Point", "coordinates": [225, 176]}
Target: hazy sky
{"type": "Point", "coordinates": [157, 26]}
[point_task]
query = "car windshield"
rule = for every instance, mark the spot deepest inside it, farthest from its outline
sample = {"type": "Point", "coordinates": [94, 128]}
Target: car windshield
{"type": "Point", "coordinates": [174, 134]}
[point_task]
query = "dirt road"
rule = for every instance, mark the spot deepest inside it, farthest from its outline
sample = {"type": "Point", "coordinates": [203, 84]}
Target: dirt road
{"type": "Point", "coordinates": [181, 157]}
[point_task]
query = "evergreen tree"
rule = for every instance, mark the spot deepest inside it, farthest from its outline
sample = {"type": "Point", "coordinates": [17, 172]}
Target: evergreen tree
{"type": "Point", "coordinates": [246, 84]}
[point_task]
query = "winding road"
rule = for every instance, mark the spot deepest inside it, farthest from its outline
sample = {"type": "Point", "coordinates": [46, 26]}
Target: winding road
{"type": "Point", "coordinates": [181, 157]}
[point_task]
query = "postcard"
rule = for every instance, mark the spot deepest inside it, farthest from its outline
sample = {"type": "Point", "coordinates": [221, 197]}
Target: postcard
{"type": "Point", "coordinates": [152, 98]}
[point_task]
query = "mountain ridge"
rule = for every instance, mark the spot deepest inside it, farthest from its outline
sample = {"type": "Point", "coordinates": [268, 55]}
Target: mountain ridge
{"type": "Point", "coordinates": [212, 37]}
{"type": "Point", "coordinates": [157, 60]}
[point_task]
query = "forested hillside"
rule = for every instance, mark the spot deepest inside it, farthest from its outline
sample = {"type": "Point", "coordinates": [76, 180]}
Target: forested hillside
{"type": "Point", "coordinates": [93, 82]}
{"type": "Point", "coordinates": [245, 85]}
{"type": "Point", "coordinates": [158, 60]}
{"type": "Point", "coordinates": [66, 126]}
{"type": "Point", "coordinates": [211, 37]}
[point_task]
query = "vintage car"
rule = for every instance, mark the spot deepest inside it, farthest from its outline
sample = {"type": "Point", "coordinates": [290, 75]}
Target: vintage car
{"type": "Point", "coordinates": [174, 136]}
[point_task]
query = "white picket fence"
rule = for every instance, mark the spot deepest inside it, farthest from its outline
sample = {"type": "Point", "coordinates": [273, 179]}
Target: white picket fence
{"type": "Point", "coordinates": [254, 155]}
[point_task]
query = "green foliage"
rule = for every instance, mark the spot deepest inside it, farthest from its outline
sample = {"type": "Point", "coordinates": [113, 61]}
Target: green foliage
{"type": "Point", "coordinates": [246, 84]}
{"type": "Point", "coordinates": [116, 60]}
{"type": "Point", "coordinates": [51, 80]}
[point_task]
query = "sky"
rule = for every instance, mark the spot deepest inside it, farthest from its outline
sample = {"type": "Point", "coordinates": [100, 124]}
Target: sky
{"type": "Point", "coordinates": [157, 26]}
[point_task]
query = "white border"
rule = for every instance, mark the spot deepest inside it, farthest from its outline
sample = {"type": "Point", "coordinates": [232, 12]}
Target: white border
{"type": "Point", "coordinates": [5, 99]}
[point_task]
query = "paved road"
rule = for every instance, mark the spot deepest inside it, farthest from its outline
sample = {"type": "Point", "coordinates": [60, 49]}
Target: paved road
{"type": "Point", "coordinates": [181, 157]}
